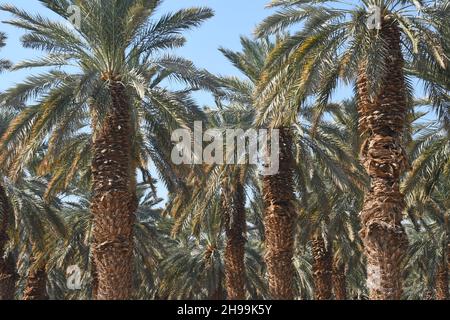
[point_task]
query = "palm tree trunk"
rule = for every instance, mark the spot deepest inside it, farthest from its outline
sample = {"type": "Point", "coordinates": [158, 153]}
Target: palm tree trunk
{"type": "Point", "coordinates": [218, 293]}
{"type": "Point", "coordinates": [7, 265]}
{"type": "Point", "coordinates": [36, 286]}
{"type": "Point", "coordinates": [339, 280]}
{"type": "Point", "coordinates": [8, 277]}
{"type": "Point", "coordinates": [442, 274]}
{"type": "Point", "coordinates": [384, 159]}
{"type": "Point", "coordinates": [94, 281]}
{"type": "Point", "coordinates": [235, 229]}
{"type": "Point", "coordinates": [113, 200]}
{"type": "Point", "coordinates": [322, 268]}
{"type": "Point", "coordinates": [279, 222]}
{"type": "Point", "coordinates": [428, 295]}
{"type": "Point", "coordinates": [442, 282]}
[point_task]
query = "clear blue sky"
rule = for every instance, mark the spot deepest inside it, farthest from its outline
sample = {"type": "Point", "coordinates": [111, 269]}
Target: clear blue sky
{"type": "Point", "coordinates": [232, 19]}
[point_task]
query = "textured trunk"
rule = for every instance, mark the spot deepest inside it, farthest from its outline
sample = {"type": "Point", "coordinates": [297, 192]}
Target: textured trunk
{"type": "Point", "coordinates": [322, 268]}
{"type": "Point", "coordinates": [339, 280]}
{"type": "Point", "coordinates": [384, 159]}
{"type": "Point", "coordinates": [218, 293]}
{"type": "Point", "coordinates": [442, 282]}
{"type": "Point", "coordinates": [7, 264]}
{"type": "Point", "coordinates": [442, 277]}
{"type": "Point", "coordinates": [36, 286]}
{"type": "Point", "coordinates": [235, 229]}
{"type": "Point", "coordinates": [279, 221]}
{"type": "Point", "coordinates": [8, 277]}
{"type": "Point", "coordinates": [428, 295]}
{"type": "Point", "coordinates": [94, 284]}
{"type": "Point", "coordinates": [113, 201]}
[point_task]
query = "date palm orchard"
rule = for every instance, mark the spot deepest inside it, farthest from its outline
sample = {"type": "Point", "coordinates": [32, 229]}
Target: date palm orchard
{"type": "Point", "coordinates": [344, 217]}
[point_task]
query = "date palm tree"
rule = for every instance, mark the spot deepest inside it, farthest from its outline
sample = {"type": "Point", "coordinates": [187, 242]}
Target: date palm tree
{"type": "Point", "coordinates": [277, 189]}
{"type": "Point", "coordinates": [436, 79]}
{"type": "Point", "coordinates": [6, 270]}
{"type": "Point", "coordinates": [151, 242]}
{"type": "Point", "coordinates": [66, 171]}
{"type": "Point", "coordinates": [426, 188]}
{"type": "Point", "coordinates": [34, 224]}
{"type": "Point", "coordinates": [327, 176]}
{"type": "Point", "coordinates": [217, 187]}
{"type": "Point", "coordinates": [26, 219]}
{"type": "Point", "coordinates": [347, 260]}
{"type": "Point", "coordinates": [234, 110]}
{"type": "Point", "coordinates": [112, 48]}
{"type": "Point", "coordinates": [429, 249]}
{"type": "Point", "coordinates": [250, 61]}
{"type": "Point", "coordinates": [7, 265]}
{"type": "Point", "coordinates": [194, 267]}
{"type": "Point", "coordinates": [339, 42]}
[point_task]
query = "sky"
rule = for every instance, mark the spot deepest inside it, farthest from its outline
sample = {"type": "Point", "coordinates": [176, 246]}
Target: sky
{"type": "Point", "coordinates": [233, 18]}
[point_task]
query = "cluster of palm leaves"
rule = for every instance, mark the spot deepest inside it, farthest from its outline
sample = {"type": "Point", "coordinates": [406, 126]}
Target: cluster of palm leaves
{"type": "Point", "coordinates": [359, 208]}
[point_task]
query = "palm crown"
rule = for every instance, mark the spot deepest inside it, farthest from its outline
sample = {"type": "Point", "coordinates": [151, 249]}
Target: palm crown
{"type": "Point", "coordinates": [336, 41]}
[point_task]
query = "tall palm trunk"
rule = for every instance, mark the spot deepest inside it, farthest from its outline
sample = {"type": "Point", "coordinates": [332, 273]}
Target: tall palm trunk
{"type": "Point", "coordinates": [113, 200]}
{"type": "Point", "coordinates": [322, 268]}
{"type": "Point", "coordinates": [279, 221]}
{"type": "Point", "coordinates": [339, 280]}
{"type": "Point", "coordinates": [218, 293]}
{"type": "Point", "coordinates": [442, 282]}
{"type": "Point", "coordinates": [7, 265]}
{"type": "Point", "coordinates": [235, 228]}
{"type": "Point", "coordinates": [8, 277]}
{"type": "Point", "coordinates": [442, 273]}
{"type": "Point", "coordinates": [94, 280]}
{"type": "Point", "coordinates": [36, 286]}
{"type": "Point", "coordinates": [384, 159]}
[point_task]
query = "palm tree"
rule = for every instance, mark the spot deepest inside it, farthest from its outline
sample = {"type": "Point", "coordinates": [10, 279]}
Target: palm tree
{"type": "Point", "coordinates": [4, 64]}
{"type": "Point", "coordinates": [234, 110]}
{"type": "Point", "coordinates": [327, 177]}
{"type": "Point", "coordinates": [344, 222]}
{"type": "Point", "coordinates": [6, 269]}
{"type": "Point", "coordinates": [150, 244]}
{"type": "Point", "coordinates": [279, 206]}
{"type": "Point", "coordinates": [435, 78]}
{"type": "Point", "coordinates": [426, 188]}
{"type": "Point", "coordinates": [428, 252]}
{"type": "Point", "coordinates": [250, 61]}
{"type": "Point", "coordinates": [279, 215]}
{"type": "Point", "coordinates": [194, 267]}
{"type": "Point", "coordinates": [233, 203]}
{"type": "Point", "coordinates": [218, 187]}
{"type": "Point", "coordinates": [35, 224]}
{"type": "Point", "coordinates": [23, 216]}
{"type": "Point", "coordinates": [338, 43]}
{"type": "Point", "coordinates": [112, 48]}
{"type": "Point", "coordinates": [7, 265]}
